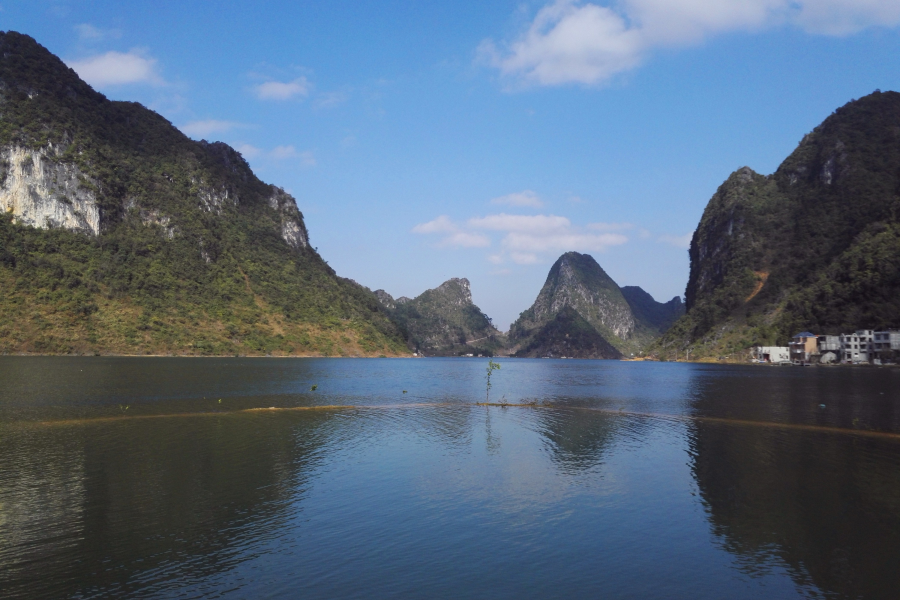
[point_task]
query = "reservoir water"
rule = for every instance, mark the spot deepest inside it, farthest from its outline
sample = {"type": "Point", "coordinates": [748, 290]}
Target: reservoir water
{"type": "Point", "coordinates": [233, 478]}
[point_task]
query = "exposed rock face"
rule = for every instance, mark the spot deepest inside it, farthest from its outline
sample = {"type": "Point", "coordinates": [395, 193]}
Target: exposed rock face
{"type": "Point", "coordinates": [386, 299]}
{"type": "Point", "coordinates": [43, 192]}
{"type": "Point", "coordinates": [576, 280]}
{"type": "Point", "coordinates": [444, 321]}
{"type": "Point", "coordinates": [293, 230]}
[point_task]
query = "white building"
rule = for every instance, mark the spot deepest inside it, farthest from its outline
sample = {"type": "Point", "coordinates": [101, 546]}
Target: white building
{"type": "Point", "coordinates": [885, 343]}
{"type": "Point", "coordinates": [772, 354]}
{"type": "Point", "coordinates": [857, 347]}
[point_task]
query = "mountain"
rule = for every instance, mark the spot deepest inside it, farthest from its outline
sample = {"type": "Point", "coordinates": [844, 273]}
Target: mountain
{"type": "Point", "coordinates": [814, 246]}
{"type": "Point", "coordinates": [444, 321]}
{"type": "Point", "coordinates": [119, 234]}
{"type": "Point", "coordinates": [655, 317]}
{"type": "Point", "coordinates": [623, 320]}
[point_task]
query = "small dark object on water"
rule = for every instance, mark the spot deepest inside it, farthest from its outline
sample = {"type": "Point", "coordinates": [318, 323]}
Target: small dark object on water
{"type": "Point", "coordinates": [313, 388]}
{"type": "Point", "coordinates": [404, 391]}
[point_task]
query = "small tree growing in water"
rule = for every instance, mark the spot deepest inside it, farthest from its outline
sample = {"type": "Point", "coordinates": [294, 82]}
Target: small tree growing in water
{"type": "Point", "coordinates": [492, 366]}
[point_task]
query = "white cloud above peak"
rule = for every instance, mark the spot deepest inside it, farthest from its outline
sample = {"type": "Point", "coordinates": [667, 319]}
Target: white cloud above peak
{"type": "Point", "coordinates": [283, 90]}
{"type": "Point", "coordinates": [572, 41]}
{"type": "Point", "coordinates": [527, 239]}
{"type": "Point", "coordinates": [118, 68]}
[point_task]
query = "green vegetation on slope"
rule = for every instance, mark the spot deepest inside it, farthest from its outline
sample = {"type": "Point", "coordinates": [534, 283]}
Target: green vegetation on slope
{"type": "Point", "coordinates": [444, 321]}
{"type": "Point", "coordinates": [191, 259]}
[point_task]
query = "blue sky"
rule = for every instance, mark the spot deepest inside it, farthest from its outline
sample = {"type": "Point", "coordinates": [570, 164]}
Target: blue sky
{"type": "Point", "coordinates": [429, 140]}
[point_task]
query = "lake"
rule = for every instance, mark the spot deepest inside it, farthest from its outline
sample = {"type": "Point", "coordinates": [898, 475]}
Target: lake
{"type": "Point", "coordinates": [159, 478]}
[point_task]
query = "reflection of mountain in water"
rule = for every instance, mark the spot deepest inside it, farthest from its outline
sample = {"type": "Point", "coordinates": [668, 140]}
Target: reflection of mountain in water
{"type": "Point", "coordinates": [828, 505]}
{"type": "Point", "coordinates": [577, 439]}
{"type": "Point", "coordinates": [134, 497]}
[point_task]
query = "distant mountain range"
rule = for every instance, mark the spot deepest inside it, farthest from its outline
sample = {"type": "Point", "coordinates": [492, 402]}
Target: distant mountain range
{"type": "Point", "coordinates": [814, 246]}
{"type": "Point", "coordinates": [580, 312]}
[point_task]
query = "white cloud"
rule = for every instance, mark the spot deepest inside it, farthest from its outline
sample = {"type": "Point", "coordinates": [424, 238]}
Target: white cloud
{"type": "Point", "coordinates": [208, 127]}
{"type": "Point", "coordinates": [442, 224]}
{"type": "Point", "coordinates": [535, 224]}
{"type": "Point", "coordinates": [453, 234]}
{"type": "Point", "coordinates": [570, 41]}
{"type": "Point", "coordinates": [278, 90]}
{"type": "Point", "coordinates": [679, 241]}
{"type": "Point", "coordinates": [527, 239]}
{"type": "Point", "coordinates": [248, 151]}
{"type": "Point", "coordinates": [524, 198]}
{"type": "Point", "coordinates": [116, 68]}
{"type": "Point", "coordinates": [282, 152]}
{"type": "Point", "coordinates": [88, 33]}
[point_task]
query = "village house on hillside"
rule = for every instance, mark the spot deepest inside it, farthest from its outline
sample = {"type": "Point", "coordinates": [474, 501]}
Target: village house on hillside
{"type": "Point", "coordinates": [861, 346]}
{"type": "Point", "coordinates": [803, 346]}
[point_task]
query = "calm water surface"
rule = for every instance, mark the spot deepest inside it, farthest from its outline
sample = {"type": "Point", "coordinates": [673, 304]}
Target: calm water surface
{"type": "Point", "coordinates": [151, 478]}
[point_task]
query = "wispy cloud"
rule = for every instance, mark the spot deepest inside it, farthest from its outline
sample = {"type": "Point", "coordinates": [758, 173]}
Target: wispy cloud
{"type": "Point", "coordinates": [452, 235]}
{"type": "Point", "coordinates": [248, 151]}
{"type": "Point", "coordinates": [117, 68]}
{"type": "Point", "coordinates": [679, 241]}
{"type": "Point", "coordinates": [571, 41]}
{"type": "Point", "coordinates": [527, 239]}
{"type": "Point", "coordinates": [524, 198]}
{"type": "Point", "coordinates": [283, 90]}
{"type": "Point", "coordinates": [209, 126]}
{"type": "Point", "coordinates": [307, 158]}
{"type": "Point", "coordinates": [331, 99]}
{"type": "Point", "coordinates": [88, 33]}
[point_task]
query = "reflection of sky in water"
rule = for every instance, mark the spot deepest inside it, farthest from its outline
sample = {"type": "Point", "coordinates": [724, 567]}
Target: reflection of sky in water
{"type": "Point", "coordinates": [446, 499]}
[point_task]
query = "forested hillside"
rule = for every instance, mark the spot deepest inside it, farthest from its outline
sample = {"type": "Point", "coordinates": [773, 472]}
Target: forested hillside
{"type": "Point", "coordinates": [122, 235]}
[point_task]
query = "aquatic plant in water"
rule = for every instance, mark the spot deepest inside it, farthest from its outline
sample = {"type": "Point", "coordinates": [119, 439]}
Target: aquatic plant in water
{"type": "Point", "coordinates": [492, 366]}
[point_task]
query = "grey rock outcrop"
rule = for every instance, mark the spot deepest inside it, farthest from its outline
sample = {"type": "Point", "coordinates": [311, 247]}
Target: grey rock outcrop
{"type": "Point", "coordinates": [42, 191]}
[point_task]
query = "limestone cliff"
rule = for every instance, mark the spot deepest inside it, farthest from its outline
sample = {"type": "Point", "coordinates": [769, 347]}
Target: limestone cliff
{"type": "Point", "coordinates": [37, 188]}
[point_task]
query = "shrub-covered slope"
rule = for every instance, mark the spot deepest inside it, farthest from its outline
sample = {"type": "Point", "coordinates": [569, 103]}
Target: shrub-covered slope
{"type": "Point", "coordinates": [122, 235]}
{"type": "Point", "coordinates": [815, 246]}
{"type": "Point", "coordinates": [444, 321]}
